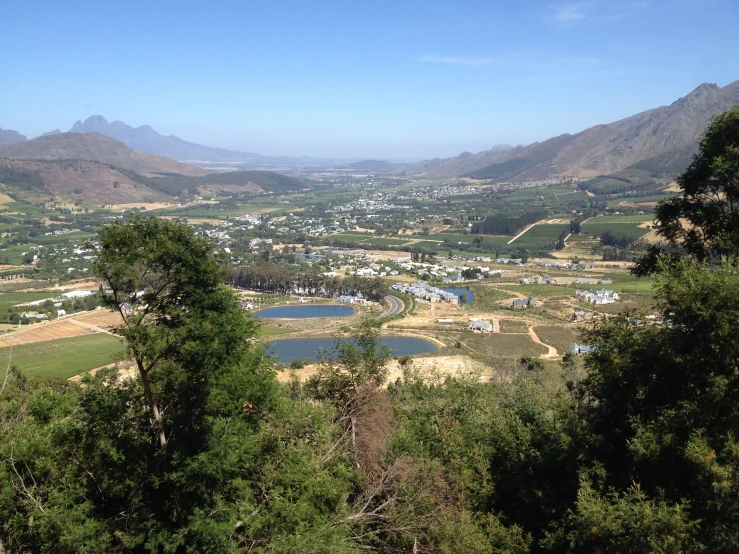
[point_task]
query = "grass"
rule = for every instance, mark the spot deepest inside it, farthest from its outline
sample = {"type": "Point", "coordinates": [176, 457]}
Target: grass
{"type": "Point", "coordinates": [513, 326]}
{"type": "Point", "coordinates": [543, 233]}
{"type": "Point", "coordinates": [558, 336]}
{"type": "Point", "coordinates": [539, 291]}
{"type": "Point", "coordinates": [500, 345]}
{"type": "Point", "coordinates": [486, 297]}
{"type": "Point", "coordinates": [10, 299]}
{"type": "Point", "coordinates": [631, 230]}
{"type": "Point", "coordinates": [269, 331]}
{"type": "Point", "coordinates": [63, 358]}
{"type": "Point", "coordinates": [636, 218]}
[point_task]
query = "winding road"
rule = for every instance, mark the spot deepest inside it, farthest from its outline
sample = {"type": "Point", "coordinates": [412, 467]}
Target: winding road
{"type": "Point", "coordinates": [396, 306]}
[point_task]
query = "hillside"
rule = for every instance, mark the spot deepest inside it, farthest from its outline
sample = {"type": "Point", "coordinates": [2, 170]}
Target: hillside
{"type": "Point", "coordinates": [667, 135]}
{"type": "Point", "coordinates": [73, 180]}
{"type": "Point", "coordinates": [8, 137]}
{"type": "Point", "coordinates": [97, 148]}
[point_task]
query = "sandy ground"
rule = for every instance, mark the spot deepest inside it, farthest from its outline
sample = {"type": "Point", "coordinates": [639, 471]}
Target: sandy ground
{"type": "Point", "coordinates": [432, 369]}
{"type": "Point", "coordinates": [5, 199]}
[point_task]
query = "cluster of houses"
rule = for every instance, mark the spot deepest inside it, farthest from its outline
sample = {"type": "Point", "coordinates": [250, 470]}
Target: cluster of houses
{"type": "Point", "coordinates": [597, 296]}
{"type": "Point", "coordinates": [564, 265]}
{"type": "Point", "coordinates": [547, 280]}
{"type": "Point", "coordinates": [424, 291]}
{"type": "Point", "coordinates": [348, 299]}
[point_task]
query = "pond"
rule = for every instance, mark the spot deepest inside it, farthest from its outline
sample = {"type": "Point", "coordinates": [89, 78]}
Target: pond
{"type": "Point", "coordinates": [459, 291]}
{"type": "Point", "coordinates": [301, 349]}
{"type": "Point", "coordinates": [305, 312]}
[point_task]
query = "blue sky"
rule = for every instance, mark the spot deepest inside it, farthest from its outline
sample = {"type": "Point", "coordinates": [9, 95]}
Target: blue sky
{"type": "Point", "coordinates": [397, 79]}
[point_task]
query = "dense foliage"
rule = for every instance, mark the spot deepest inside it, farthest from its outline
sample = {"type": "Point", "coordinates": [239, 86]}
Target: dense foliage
{"type": "Point", "coordinates": [205, 452]}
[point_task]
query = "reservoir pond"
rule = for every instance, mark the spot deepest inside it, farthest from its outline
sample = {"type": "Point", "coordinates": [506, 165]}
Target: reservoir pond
{"type": "Point", "coordinates": [305, 312]}
{"type": "Point", "coordinates": [301, 349]}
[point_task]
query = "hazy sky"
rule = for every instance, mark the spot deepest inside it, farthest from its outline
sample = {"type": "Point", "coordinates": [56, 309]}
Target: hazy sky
{"type": "Point", "coordinates": [397, 79]}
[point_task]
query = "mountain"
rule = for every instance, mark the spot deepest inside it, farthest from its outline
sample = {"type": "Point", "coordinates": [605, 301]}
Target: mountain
{"type": "Point", "coordinates": [146, 139]}
{"type": "Point", "coordinates": [97, 148]}
{"type": "Point", "coordinates": [374, 165]}
{"type": "Point", "coordinates": [98, 169]}
{"type": "Point", "coordinates": [667, 135]}
{"type": "Point", "coordinates": [8, 137]}
{"type": "Point", "coordinates": [458, 165]}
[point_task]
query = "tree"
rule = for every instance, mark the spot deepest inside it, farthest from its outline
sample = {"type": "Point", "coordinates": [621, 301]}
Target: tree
{"type": "Point", "coordinates": [703, 221]}
{"type": "Point", "coordinates": [179, 321]}
{"type": "Point", "coordinates": [661, 405]}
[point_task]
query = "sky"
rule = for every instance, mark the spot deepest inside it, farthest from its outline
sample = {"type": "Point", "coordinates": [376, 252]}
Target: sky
{"type": "Point", "coordinates": [402, 80]}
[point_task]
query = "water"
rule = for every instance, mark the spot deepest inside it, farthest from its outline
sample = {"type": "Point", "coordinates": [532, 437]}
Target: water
{"type": "Point", "coordinates": [301, 349]}
{"type": "Point", "coordinates": [459, 291]}
{"type": "Point", "coordinates": [305, 312]}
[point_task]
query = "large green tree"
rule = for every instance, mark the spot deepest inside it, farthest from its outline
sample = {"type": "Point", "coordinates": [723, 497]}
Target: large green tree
{"type": "Point", "coordinates": [704, 219]}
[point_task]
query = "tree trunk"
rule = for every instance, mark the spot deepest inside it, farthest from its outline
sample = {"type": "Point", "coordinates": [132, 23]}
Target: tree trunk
{"type": "Point", "coordinates": [158, 423]}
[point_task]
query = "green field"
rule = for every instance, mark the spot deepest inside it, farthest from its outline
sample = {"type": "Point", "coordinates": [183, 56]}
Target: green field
{"type": "Point", "coordinates": [631, 230]}
{"type": "Point", "coordinates": [558, 336]}
{"type": "Point", "coordinates": [494, 239]}
{"type": "Point", "coordinates": [10, 299]}
{"type": "Point", "coordinates": [543, 233]}
{"type": "Point", "coordinates": [269, 331]}
{"type": "Point", "coordinates": [636, 218]}
{"type": "Point", "coordinates": [63, 358]}
{"type": "Point", "coordinates": [385, 241]}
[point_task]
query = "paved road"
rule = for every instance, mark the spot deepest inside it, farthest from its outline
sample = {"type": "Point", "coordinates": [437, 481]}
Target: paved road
{"type": "Point", "coordinates": [396, 306]}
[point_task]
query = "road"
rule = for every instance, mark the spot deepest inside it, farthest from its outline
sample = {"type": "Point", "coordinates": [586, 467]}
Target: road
{"type": "Point", "coordinates": [396, 306]}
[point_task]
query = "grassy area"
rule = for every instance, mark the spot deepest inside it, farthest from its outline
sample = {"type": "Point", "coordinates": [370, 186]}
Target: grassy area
{"type": "Point", "coordinates": [631, 230]}
{"type": "Point", "coordinates": [385, 241]}
{"type": "Point", "coordinates": [636, 218]}
{"type": "Point", "coordinates": [539, 291]}
{"type": "Point", "coordinates": [513, 326]}
{"type": "Point", "coordinates": [10, 299]}
{"type": "Point", "coordinates": [543, 233]}
{"type": "Point", "coordinates": [64, 358]}
{"type": "Point", "coordinates": [486, 297]}
{"type": "Point", "coordinates": [269, 331]}
{"type": "Point", "coordinates": [486, 347]}
{"type": "Point", "coordinates": [558, 336]}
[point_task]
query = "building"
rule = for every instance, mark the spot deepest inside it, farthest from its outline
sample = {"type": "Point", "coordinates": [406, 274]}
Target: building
{"type": "Point", "coordinates": [529, 302]}
{"type": "Point", "coordinates": [581, 349]}
{"type": "Point", "coordinates": [480, 326]}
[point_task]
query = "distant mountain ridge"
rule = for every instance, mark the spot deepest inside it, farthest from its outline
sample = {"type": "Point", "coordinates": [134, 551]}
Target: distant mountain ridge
{"type": "Point", "coordinates": [97, 148]}
{"type": "Point", "coordinates": [669, 133]}
{"type": "Point", "coordinates": [99, 169]}
{"type": "Point", "coordinates": [8, 136]}
{"type": "Point", "coordinates": [146, 139]}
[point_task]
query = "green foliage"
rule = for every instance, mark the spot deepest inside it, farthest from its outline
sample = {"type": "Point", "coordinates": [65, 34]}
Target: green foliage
{"type": "Point", "coordinates": [704, 219]}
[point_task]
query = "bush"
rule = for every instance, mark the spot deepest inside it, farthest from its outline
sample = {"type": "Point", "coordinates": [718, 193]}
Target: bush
{"type": "Point", "coordinates": [297, 364]}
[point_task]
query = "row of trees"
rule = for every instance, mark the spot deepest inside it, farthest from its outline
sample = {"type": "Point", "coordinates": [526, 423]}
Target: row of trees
{"type": "Point", "coordinates": [283, 279]}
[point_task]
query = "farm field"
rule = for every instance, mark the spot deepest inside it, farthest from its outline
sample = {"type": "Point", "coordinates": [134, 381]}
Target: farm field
{"type": "Point", "coordinates": [63, 358]}
{"type": "Point", "coordinates": [39, 332]}
{"type": "Point", "coordinates": [631, 230]}
{"type": "Point", "coordinates": [637, 218]}
{"type": "Point", "coordinates": [513, 326]}
{"type": "Point", "coordinates": [546, 232]}
{"type": "Point", "coordinates": [10, 299]}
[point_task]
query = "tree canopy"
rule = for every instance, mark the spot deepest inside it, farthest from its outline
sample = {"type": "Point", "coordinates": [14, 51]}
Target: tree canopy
{"type": "Point", "coordinates": [703, 221]}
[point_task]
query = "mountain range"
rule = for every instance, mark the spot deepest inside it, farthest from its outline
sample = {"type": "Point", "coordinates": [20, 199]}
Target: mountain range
{"type": "Point", "coordinates": [666, 136]}
{"type": "Point", "coordinates": [8, 137]}
{"type": "Point", "coordinates": [98, 169]}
